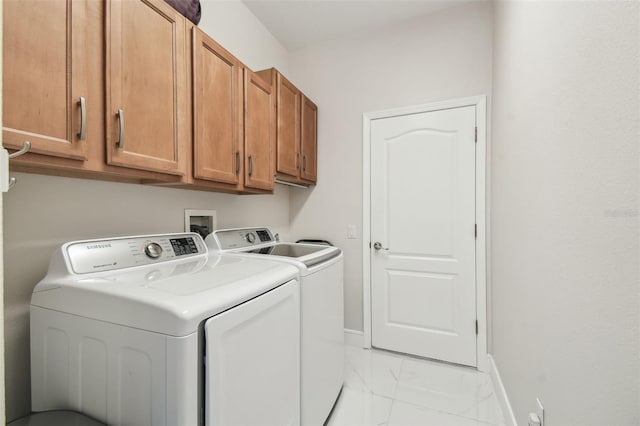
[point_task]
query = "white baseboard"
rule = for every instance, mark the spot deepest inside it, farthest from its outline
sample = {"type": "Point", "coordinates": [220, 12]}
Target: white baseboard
{"type": "Point", "coordinates": [501, 393]}
{"type": "Point", "coordinates": [354, 338]}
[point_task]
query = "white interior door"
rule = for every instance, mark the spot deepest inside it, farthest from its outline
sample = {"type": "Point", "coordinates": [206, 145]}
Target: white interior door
{"type": "Point", "coordinates": [423, 281]}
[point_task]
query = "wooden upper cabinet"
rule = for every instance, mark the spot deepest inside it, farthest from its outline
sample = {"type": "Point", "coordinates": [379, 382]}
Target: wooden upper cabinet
{"type": "Point", "coordinates": [217, 111]}
{"type": "Point", "coordinates": [146, 99]}
{"type": "Point", "coordinates": [288, 124]}
{"type": "Point", "coordinates": [308, 140]}
{"type": "Point", "coordinates": [295, 154]}
{"type": "Point", "coordinates": [259, 132]}
{"type": "Point", "coordinates": [45, 76]}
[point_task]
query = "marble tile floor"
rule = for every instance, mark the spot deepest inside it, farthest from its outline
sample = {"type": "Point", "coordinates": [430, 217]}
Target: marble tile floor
{"type": "Point", "coordinates": [387, 389]}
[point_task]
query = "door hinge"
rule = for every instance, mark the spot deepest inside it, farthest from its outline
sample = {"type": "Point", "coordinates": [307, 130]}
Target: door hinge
{"type": "Point", "coordinates": [476, 137]}
{"type": "Point", "coordinates": [476, 327]}
{"type": "Point", "coordinates": [475, 231]}
{"type": "Point", "coordinates": [369, 244]}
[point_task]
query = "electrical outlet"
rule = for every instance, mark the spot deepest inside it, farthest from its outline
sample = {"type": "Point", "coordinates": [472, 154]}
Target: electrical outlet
{"type": "Point", "coordinates": [352, 232]}
{"type": "Point", "coordinates": [540, 411]}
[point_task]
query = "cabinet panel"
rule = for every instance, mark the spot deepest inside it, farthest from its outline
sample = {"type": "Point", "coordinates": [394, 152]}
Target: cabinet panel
{"type": "Point", "coordinates": [288, 139]}
{"type": "Point", "coordinates": [217, 95]}
{"type": "Point", "coordinates": [259, 132]}
{"type": "Point", "coordinates": [44, 76]}
{"type": "Point", "coordinates": [308, 140]}
{"type": "Point", "coordinates": [146, 80]}
{"type": "Point", "coordinates": [295, 151]}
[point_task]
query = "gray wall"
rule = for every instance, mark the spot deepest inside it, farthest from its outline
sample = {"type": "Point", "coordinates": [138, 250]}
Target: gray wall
{"type": "Point", "coordinates": [42, 212]}
{"type": "Point", "coordinates": [440, 56]}
{"type": "Point", "coordinates": [565, 172]}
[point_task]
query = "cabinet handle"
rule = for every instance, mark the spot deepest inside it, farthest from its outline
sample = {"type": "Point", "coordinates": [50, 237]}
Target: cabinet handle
{"type": "Point", "coordinates": [120, 141]}
{"type": "Point", "coordinates": [82, 103]}
{"type": "Point", "coordinates": [250, 165]}
{"type": "Point", "coordinates": [26, 146]}
{"type": "Point", "coordinates": [304, 163]}
{"type": "Point", "coordinates": [237, 162]}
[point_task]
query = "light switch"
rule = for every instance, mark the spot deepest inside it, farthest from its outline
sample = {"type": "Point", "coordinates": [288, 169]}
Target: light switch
{"type": "Point", "coordinates": [352, 232]}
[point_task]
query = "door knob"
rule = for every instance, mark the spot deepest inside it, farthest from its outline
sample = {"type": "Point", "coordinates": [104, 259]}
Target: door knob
{"type": "Point", "coordinates": [378, 246]}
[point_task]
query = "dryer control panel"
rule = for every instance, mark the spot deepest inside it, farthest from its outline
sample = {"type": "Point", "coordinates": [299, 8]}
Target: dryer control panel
{"type": "Point", "coordinates": [230, 239]}
{"type": "Point", "coordinates": [84, 257]}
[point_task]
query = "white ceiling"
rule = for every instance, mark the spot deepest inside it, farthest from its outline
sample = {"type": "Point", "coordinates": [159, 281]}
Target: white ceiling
{"type": "Point", "coordinates": [299, 23]}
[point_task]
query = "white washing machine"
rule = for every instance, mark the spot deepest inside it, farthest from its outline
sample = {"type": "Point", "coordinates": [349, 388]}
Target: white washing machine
{"type": "Point", "coordinates": [152, 330]}
{"type": "Point", "coordinates": [321, 310]}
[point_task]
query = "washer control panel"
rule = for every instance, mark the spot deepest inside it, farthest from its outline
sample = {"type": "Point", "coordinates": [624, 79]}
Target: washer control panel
{"type": "Point", "coordinates": [250, 237]}
{"type": "Point", "coordinates": [229, 239]}
{"type": "Point", "coordinates": [153, 250]}
{"type": "Point", "coordinates": [117, 253]}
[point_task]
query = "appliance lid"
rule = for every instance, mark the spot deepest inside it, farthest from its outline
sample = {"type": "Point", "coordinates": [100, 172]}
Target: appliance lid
{"type": "Point", "coordinates": [308, 254]}
{"type": "Point", "coordinates": [170, 297]}
{"type": "Point", "coordinates": [262, 241]}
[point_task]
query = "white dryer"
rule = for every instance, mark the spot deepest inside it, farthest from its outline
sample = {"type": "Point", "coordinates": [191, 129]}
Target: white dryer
{"type": "Point", "coordinates": [151, 330]}
{"type": "Point", "coordinates": [321, 310]}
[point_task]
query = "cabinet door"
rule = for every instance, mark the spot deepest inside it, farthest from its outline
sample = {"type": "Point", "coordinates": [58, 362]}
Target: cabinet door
{"type": "Point", "coordinates": [44, 76]}
{"type": "Point", "coordinates": [308, 140]}
{"type": "Point", "coordinates": [217, 111]}
{"type": "Point", "coordinates": [288, 143]}
{"type": "Point", "coordinates": [258, 132]}
{"type": "Point", "coordinates": [146, 85]}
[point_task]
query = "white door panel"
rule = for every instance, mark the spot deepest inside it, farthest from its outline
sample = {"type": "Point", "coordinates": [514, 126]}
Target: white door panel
{"type": "Point", "coordinates": [423, 214]}
{"type": "Point", "coordinates": [405, 162]}
{"type": "Point", "coordinates": [407, 296]}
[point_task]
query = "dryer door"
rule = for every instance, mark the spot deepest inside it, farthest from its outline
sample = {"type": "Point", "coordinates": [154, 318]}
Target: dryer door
{"type": "Point", "coordinates": [253, 361]}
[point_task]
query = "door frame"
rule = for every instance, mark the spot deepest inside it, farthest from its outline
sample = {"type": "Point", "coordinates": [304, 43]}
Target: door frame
{"type": "Point", "coordinates": [480, 103]}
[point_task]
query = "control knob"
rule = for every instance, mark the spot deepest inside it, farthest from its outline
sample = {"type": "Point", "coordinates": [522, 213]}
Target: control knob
{"type": "Point", "coordinates": [153, 250]}
{"type": "Point", "coordinates": [250, 237]}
